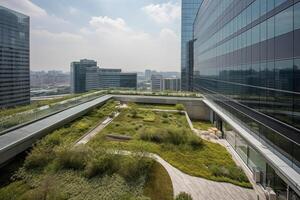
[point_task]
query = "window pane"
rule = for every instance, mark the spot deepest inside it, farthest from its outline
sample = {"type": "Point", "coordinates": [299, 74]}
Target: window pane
{"type": "Point", "coordinates": [297, 16]}
{"type": "Point", "coordinates": [255, 34]}
{"type": "Point", "coordinates": [271, 28]}
{"type": "Point", "coordinates": [263, 7]}
{"type": "Point", "coordinates": [278, 2]}
{"type": "Point", "coordinates": [263, 31]}
{"type": "Point", "coordinates": [284, 22]}
{"type": "Point", "coordinates": [270, 4]}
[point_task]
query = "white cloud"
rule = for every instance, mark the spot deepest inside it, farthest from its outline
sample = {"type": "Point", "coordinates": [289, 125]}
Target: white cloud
{"type": "Point", "coordinates": [163, 13]}
{"type": "Point", "coordinates": [39, 18]}
{"type": "Point", "coordinates": [109, 41]}
{"type": "Point", "coordinates": [24, 6]}
{"type": "Point", "coordinates": [106, 24]}
{"type": "Point", "coordinates": [73, 11]}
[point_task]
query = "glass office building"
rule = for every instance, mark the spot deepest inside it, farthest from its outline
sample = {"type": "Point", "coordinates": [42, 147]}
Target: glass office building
{"type": "Point", "coordinates": [188, 14]}
{"type": "Point", "coordinates": [247, 62]}
{"type": "Point", "coordinates": [86, 76]}
{"type": "Point", "coordinates": [14, 58]}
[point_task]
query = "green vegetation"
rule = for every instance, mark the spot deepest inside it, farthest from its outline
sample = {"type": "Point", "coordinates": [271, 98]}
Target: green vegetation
{"type": "Point", "coordinates": [179, 107]}
{"type": "Point", "coordinates": [55, 170]}
{"type": "Point", "coordinates": [159, 185]}
{"type": "Point", "coordinates": [202, 125]}
{"type": "Point", "coordinates": [171, 138]}
{"type": "Point", "coordinates": [183, 196]}
{"type": "Point", "coordinates": [33, 105]}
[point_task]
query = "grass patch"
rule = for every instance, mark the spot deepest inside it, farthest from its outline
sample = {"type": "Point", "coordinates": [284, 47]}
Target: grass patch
{"type": "Point", "coordinates": [202, 125]}
{"type": "Point", "coordinates": [159, 184]}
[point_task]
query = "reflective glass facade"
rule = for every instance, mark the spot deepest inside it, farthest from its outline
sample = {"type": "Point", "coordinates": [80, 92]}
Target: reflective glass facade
{"type": "Point", "coordinates": [189, 11]}
{"type": "Point", "coordinates": [14, 58]}
{"type": "Point", "coordinates": [247, 60]}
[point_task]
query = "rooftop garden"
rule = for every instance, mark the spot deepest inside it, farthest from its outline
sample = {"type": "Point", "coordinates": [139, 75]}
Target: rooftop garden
{"type": "Point", "coordinates": [57, 169]}
{"type": "Point", "coordinates": [169, 135]}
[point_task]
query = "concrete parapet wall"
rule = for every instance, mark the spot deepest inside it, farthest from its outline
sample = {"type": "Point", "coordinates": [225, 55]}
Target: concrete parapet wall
{"type": "Point", "coordinates": [195, 107]}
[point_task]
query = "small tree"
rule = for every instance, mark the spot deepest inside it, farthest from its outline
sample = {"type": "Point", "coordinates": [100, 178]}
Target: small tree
{"type": "Point", "coordinates": [183, 196]}
{"type": "Point", "coordinates": [179, 107]}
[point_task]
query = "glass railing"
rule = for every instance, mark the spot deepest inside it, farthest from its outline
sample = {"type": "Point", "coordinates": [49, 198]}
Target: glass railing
{"type": "Point", "coordinates": [12, 121]}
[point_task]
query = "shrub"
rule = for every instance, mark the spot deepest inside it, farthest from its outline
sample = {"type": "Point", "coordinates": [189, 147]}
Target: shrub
{"type": "Point", "coordinates": [47, 190]}
{"type": "Point", "coordinates": [172, 135]}
{"type": "Point", "coordinates": [13, 190]}
{"type": "Point", "coordinates": [195, 141]}
{"type": "Point", "coordinates": [39, 157]}
{"type": "Point", "coordinates": [177, 136]}
{"type": "Point", "coordinates": [153, 134]}
{"type": "Point", "coordinates": [100, 163]}
{"type": "Point", "coordinates": [219, 171]}
{"type": "Point", "coordinates": [165, 115]}
{"type": "Point", "coordinates": [179, 107]}
{"type": "Point", "coordinates": [183, 196]}
{"type": "Point", "coordinates": [71, 158]}
{"type": "Point", "coordinates": [133, 167]}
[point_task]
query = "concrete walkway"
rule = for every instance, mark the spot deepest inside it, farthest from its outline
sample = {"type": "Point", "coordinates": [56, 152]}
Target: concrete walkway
{"type": "Point", "coordinates": [202, 189]}
{"type": "Point", "coordinates": [199, 188]}
{"type": "Point", "coordinates": [92, 133]}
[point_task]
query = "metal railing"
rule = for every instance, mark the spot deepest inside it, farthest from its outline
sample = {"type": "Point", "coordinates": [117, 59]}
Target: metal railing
{"type": "Point", "coordinates": [19, 119]}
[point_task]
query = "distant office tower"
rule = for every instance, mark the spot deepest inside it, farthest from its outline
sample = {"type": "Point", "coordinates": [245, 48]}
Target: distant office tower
{"type": "Point", "coordinates": [78, 74]}
{"type": "Point", "coordinates": [14, 58]}
{"type": "Point", "coordinates": [247, 64]}
{"type": "Point", "coordinates": [171, 84]}
{"type": "Point", "coordinates": [115, 78]}
{"type": "Point", "coordinates": [156, 82]}
{"type": "Point", "coordinates": [148, 74]}
{"type": "Point", "coordinates": [189, 12]}
{"type": "Point", "coordinates": [86, 76]}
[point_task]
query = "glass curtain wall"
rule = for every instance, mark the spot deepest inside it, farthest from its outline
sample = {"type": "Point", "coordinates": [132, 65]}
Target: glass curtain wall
{"type": "Point", "coordinates": [248, 56]}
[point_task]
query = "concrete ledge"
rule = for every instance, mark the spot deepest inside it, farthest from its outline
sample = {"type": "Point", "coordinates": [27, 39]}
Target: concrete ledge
{"type": "Point", "coordinates": [194, 106]}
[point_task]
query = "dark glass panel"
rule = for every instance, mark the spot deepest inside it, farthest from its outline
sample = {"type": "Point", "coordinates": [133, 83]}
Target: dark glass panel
{"type": "Point", "coordinates": [284, 75]}
{"type": "Point", "coordinates": [297, 16]}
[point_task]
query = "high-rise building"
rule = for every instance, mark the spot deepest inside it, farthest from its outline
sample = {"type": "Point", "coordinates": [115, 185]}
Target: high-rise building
{"type": "Point", "coordinates": [14, 58]}
{"type": "Point", "coordinates": [171, 84]}
{"type": "Point", "coordinates": [86, 76]}
{"type": "Point", "coordinates": [78, 74]}
{"type": "Point", "coordinates": [247, 63]}
{"type": "Point", "coordinates": [188, 14]}
{"type": "Point", "coordinates": [148, 74]}
{"type": "Point", "coordinates": [156, 82]}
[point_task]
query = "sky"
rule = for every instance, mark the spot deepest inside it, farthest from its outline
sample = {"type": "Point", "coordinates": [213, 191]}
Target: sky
{"type": "Point", "coordinates": [133, 35]}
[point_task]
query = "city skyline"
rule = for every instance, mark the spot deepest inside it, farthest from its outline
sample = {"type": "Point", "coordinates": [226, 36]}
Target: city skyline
{"type": "Point", "coordinates": [148, 35]}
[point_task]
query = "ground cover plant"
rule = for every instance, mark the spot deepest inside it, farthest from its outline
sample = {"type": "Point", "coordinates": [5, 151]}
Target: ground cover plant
{"type": "Point", "coordinates": [169, 136]}
{"type": "Point", "coordinates": [55, 169]}
{"type": "Point", "coordinates": [202, 125]}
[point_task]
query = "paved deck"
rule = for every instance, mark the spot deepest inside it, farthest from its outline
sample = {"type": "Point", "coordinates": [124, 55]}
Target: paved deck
{"type": "Point", "coordinates": [202, 189]}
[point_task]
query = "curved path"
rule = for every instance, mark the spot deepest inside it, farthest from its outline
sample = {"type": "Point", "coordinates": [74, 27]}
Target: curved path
{"type": "Point", "coordinates": [199, 188]}
{"type": "Point", "coordinates": [202, 189]}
